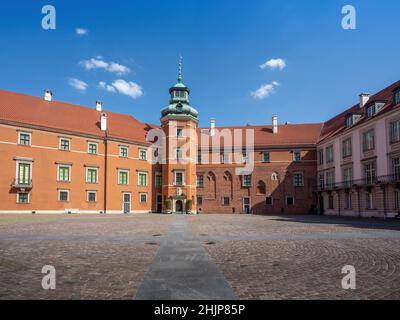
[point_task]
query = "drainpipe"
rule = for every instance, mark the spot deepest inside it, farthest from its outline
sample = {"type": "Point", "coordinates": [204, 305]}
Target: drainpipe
{"type": "Point", "coordinates": [384, 202]}
{"type": "Point", "coordinates": [105, 171]}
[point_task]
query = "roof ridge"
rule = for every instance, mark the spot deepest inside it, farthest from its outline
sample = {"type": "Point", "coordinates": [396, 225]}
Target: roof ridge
{"type": "Point", "coordinates": [71, 104]}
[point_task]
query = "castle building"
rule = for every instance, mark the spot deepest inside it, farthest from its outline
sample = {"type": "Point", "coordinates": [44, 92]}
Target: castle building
{"type": "Point", "coordinates": [359, 158]}
{"type": "Point", "coordinates": [63, 158]}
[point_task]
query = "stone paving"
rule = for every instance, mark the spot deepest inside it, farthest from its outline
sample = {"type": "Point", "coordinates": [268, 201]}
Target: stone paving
{"type": "Point", "coordinates": [170, 257]}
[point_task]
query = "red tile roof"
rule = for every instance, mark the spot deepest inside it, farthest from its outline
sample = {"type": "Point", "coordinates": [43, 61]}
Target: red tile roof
{"type": "Point", "coordinates": [288, 135]}
{"type": "Point", "coordinates": [32, 110]}
{"type": "Point", "coordinates": [336, 125]}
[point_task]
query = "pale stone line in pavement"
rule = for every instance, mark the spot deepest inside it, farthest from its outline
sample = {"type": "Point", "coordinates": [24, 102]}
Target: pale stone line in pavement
{"type": "Point", "coordinates": [183, 270]}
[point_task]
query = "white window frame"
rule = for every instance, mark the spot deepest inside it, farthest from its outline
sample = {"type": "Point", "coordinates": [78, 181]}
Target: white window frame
{"type": "Point", "coordinates": [347, 148]}
{"type": "Point", "coordinates": [145, 154]}
{"type": "Point", "coordinates": [348, 179]}
{"type": "Point", "coordinates": [197, 180]}
{"type": "Point", "coordinates": [25, 133]}
{"type": "Point", "coordinates": [330, 179]}
{"type": "Point", "coordinates": [183, 178]}
{"type": "Point", "coordinates": [18, 162]}
{"type": "Point", "coordinates": [29, 197]}
{"type": "Point", "coordinates": [143, 194]}
{"type": "Point", "coordinates": [349, 121]}
{"type": "Point", "coordinates": [294, 155]}
{"type": "Point", "coordinates": [180, 152]}
{"type": "Point", "coordinates": [371, 110]}
{"type": "Point", "coordinates": [65, 139]}
{"type": "Point", "coordinates": [138, 178]}
{"type": "Point", "coordinates": [95, 144]}
{"type": "Point", "coordinates": [119, 176]}
{"type": "Point", "coordinates": [223, 201]}
{"type": "Point", "coordinates": [87, 196]}
{"type": "Point", "coordinates": [320, 155]}
{"type": "Point", "coordinates": [366, 144]}
{"type": "Point", "coordinates": [395, 167]}
{"type": "Point", "coordinates": [243, 181]}
{"type": "Point", "coordinates": [302, 179]}
{"type": "Point", "coordinates": [87, 175]}
{"type": "Point", "coordinates": [58, 172]}
{"type": "Point", "coordinates": [396, 98]}
{"type": "Point", "coordinates": [370, 201]}
{"type": "Point", "coordinates": [182, 131]}
{"type": "Point", "coordinates": [330, 154]}
{"type": "Point", "coordinates": [127, 151]}
{"type": "Point", "coordinates": [394, 131]}
{"type": "Point", "coordinates": [348, 201]}
{"type": "Point", "coordinates": [59, 195]}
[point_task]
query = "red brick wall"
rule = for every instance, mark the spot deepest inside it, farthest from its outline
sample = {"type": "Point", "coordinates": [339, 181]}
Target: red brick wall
{"type": "Point", "coordinates": [281, 162]}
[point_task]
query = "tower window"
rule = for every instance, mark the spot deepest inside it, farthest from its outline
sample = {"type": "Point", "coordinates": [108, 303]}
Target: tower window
{"type": "Point", "coordinates": [179, 178]}
{"type": "Point", "coordinates": [179, 132]}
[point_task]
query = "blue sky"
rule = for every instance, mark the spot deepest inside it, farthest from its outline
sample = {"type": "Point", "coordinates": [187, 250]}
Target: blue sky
{"type": "Point", "coordinates": [223, 43]}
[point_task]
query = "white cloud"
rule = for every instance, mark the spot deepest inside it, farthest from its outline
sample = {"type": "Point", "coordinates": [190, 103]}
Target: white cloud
{"type": "Point", "coordinates": [264, 91]}
{"type": "Point", "coordinates": [274, 64]}
{"type": "Point", "coordinates": [128, 88]}
{"type": "Point", "coordinates": [118, 68]}
{"type": "Point", "coordinates": [106, 87]}
{"type": "Point", "coordinates": [78, 84]}
{"type": "Point", "coordinates": [99, 63]}
{"type": "Point", "coordinates": [81, 31]}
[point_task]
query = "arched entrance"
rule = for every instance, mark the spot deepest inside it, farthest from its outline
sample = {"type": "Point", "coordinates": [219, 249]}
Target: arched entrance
{"type": "Point", "coordinates": [179, 206]}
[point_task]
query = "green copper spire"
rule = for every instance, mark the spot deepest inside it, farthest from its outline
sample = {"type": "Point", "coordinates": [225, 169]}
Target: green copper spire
{"type": "Point", "coordinates": [179, 104]}
{"type": "Point", "coordinates": [180, 70]}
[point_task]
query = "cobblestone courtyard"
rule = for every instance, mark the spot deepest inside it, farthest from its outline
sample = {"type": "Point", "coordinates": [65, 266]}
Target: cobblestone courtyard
{"type": "Point", "coordinates": [205, 256]}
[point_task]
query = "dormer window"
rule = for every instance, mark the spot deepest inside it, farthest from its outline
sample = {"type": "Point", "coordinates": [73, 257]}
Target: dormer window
{"type": "Point", "coordinates": [374, 108]}
{"type": "Point", "coordinates": [349, 121]}
{"type": "Point", "coordinates": [397, 97]}
{"type": "Point", "coordinates": [352, 119]}
{"type": "Point", "coordinates": [179, 108]}
{"type": "Point", "coordinates": [371, 110]}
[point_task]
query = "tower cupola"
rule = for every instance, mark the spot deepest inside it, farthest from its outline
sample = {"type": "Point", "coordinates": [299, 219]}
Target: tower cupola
{"type": "Point", "coordinates": [179, 102]}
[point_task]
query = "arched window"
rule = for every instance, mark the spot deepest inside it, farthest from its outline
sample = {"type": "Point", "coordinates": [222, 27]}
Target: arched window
{"type": "Point", "coordinates": [261, 187]}
{"type": "Point", "coordinates": [275, 176]}
{"type": "Point", "coordinates": [227, 176]}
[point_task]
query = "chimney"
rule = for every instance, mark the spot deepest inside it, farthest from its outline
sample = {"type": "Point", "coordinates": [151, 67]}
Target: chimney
{"type": "Point", "coordinates": [99, 106]}
{"type": "Point", "coordinates": [103, 122]}
{"type": "Point", "coordinates": [275, 124]}
{"type": "Point", "coordinates": [364, 97]}
{"type": "Point", "coordinates": [48, 95]}
{"type": "Point", "coordinates": [212, 127]}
